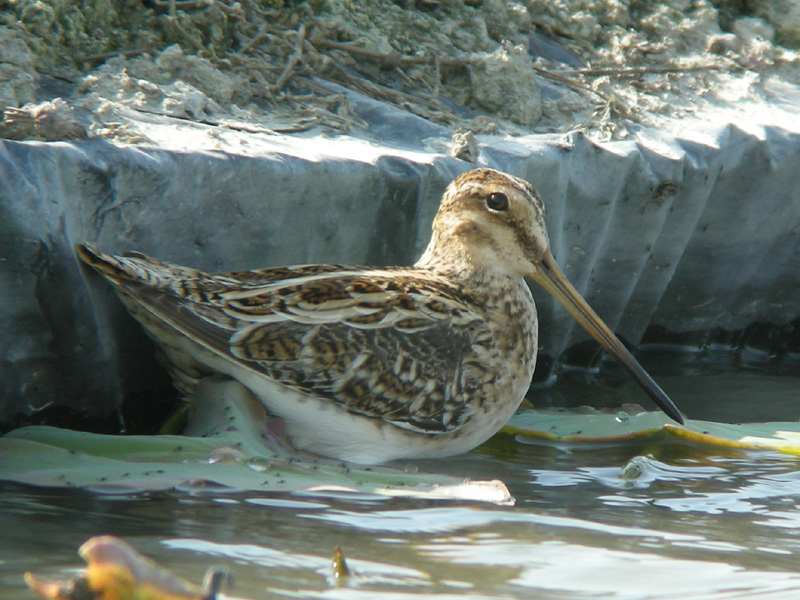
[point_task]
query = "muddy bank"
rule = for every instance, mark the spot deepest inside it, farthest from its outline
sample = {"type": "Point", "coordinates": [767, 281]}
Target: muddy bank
{"type": "Point", "coordinates": [606, 69]}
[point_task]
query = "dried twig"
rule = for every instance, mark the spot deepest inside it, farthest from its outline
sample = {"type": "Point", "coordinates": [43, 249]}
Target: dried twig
{"type": "Point", "coordinates": [254, 40]}
{"type": "Point", "coordinates": [172, 22]}
{"type": "Point", "coordinates": [637, 71]}
{"type": "Point", "coordinates": [294, 58]}
{"type": "Point", "coordinates": [437, 77]}
{"type": "Point", "coordinates": [390, 94]}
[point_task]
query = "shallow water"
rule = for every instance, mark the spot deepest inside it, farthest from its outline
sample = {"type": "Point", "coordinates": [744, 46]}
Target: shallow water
{"type": "Point", "coordinates": [610, 521]}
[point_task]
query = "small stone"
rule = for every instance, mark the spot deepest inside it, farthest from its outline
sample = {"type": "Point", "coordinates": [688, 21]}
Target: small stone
{"type": "Point", "coordinates": [463, 146]}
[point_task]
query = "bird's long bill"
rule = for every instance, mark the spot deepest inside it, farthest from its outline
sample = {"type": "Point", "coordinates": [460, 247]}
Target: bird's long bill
{"type": "Point", "coordinates": [550, 277]}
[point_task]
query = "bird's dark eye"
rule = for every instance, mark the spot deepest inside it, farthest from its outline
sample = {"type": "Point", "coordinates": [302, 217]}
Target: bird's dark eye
{"type": "Point", "coordinates": [497, 201]}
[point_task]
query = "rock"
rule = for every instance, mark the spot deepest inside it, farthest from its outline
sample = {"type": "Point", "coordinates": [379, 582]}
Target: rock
{"type": "Point", "coordinates": [504, 82]}
{"type": "Point", "coordinates": [464, 146]}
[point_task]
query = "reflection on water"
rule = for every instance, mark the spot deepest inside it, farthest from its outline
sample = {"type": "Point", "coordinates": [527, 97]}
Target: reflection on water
{"type": "Point", "coordinates": [647, 521]}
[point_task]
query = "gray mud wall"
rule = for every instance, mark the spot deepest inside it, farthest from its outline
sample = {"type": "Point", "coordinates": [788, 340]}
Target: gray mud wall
{"type": "Point", "coordinates": [686, 235]}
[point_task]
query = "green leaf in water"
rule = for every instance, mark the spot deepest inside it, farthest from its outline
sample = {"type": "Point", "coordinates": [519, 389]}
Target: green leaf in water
{"type": "Point", "coordinates": [227, 447]}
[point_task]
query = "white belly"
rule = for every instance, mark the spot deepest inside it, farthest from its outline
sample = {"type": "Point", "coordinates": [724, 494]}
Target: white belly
{"type": "Point", "coordinates": [323, 427]}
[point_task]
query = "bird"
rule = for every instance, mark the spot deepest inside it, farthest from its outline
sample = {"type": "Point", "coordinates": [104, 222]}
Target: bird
{"type": "Point", "coordinates": [374, 364]}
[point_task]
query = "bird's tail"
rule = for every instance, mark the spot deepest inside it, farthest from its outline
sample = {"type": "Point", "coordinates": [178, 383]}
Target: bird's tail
{"type": "Point", "coordinates": [135, 276]}
{"type": "Point", "coordinates": [133, 268]}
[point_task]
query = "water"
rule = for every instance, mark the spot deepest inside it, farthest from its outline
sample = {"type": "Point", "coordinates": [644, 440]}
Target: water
{"type": "Point", "coordinates": [628, 521]}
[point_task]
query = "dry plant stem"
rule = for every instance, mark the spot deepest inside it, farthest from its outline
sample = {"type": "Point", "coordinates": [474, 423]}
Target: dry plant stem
{"type": "Point", "coordinates": [295, 58]}
{"type": "Point", "coordinates": [172, 22]}
{"type": "Point", "coordinates": [256, 38]}
{"type": "Point", "coordinates": [405, 78]}
{"type": "Point", "coordinates": [256, 74]}
{"type": "Point", "coordinates": [390, 94]}
{"type": "Point", "coordinates": [580, 87]}
{"type": "Point", "coordinates": [437, 77]}
{"type": "Point", "coordinates": [636, 71]}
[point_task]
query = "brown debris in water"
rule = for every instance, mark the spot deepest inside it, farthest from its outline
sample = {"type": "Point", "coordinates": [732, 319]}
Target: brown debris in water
{"type": "Point", "coordinates": [115, 571]}
{"type": "Point", "coordinates": [341, 572]}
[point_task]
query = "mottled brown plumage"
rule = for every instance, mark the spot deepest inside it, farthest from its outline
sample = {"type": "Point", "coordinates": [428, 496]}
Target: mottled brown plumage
{"type": "Point", "coordinates": [367, 364]}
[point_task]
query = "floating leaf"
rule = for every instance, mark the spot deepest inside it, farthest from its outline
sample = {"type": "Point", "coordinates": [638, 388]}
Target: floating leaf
{"type": "Point", "coordinates": [227, 447]}
{"type": "Point", "coordinates": [535, 426]}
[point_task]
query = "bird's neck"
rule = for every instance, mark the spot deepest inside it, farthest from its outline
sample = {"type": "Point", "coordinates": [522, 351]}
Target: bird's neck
{"type": "Point", "coordinates": [450, 257]}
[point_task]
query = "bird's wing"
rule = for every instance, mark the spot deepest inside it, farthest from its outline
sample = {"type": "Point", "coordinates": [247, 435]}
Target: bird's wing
{"type": "Point", "coordinates": [382, 343]}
